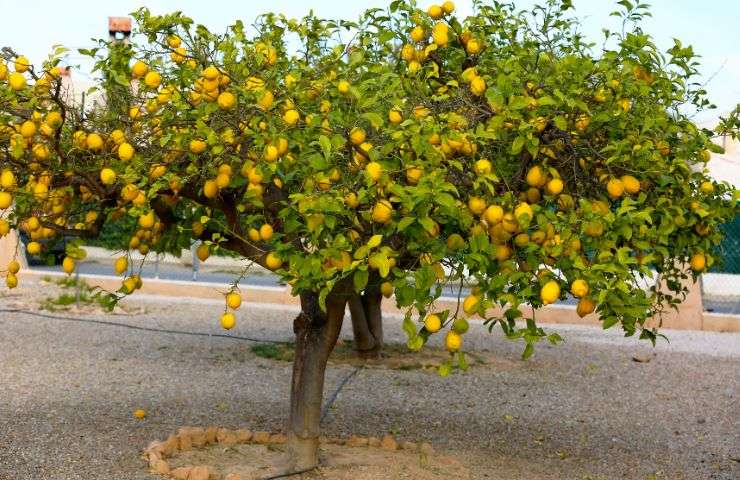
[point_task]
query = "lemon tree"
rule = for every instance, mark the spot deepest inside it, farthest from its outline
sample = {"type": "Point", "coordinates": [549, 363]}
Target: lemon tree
{"type": "Point", "coordinates": [408, 151]}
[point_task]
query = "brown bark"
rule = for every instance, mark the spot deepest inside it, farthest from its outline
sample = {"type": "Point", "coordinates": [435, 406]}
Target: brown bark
{"type": "Point", "coordinates": [367, 322]}
{"type": "Point", "coordinates": [316, 334]}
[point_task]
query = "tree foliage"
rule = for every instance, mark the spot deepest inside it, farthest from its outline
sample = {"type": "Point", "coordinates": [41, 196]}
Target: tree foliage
{"type": "Point", "coordinates": [409, 149]}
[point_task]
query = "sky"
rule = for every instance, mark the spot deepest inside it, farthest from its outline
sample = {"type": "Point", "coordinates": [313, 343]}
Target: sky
{"type": "Point", "coordinates": [33, 26]}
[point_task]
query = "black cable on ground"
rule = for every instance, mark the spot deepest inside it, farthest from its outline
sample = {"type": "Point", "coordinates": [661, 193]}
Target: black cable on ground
{"type": "Point", "coordinates": [137, 327]}
{"type": "Point", "coordinates": [330, 401]}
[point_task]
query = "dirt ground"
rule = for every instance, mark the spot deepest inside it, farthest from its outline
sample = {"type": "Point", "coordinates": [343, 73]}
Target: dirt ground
{"type": "Point", "coordinates": [582, 410]}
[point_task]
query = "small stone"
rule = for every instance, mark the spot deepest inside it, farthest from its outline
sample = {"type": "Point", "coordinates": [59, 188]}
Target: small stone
{"type": "Point", "coordinates": [233, 476]}
{"type": "Point", "coordinates": [186, 443]}
{"type": "Point", "coordinates": [389, 443]}
{"type": "Point", "coordinates": [278, 438]}
{"type": "Point", "coordinates": [171, 445]}
{"type": "Point", "coordinates": [153, 458]}
{"type": "Point", "coordinates": [181, 473]}
{"type": "Point", "coordinates": [200, 472]}
{"type": "Point", "coordinates": [355, 441]}
{"type": "Point", "coordinates": [211, 433]}
{"type": "Point", "coordinates": [426, 448]}
{"type": "Point", "coordinates": [156, 447]}
{"type": "Point", "coordinates": [335, 441]}
{"type": "Point", "coordinates": [226, 436]}
{"type": "Point", "coordinates": [373, 441]}
{"type": "Point", "coordinates": [198, 437]}
{"type": "Point", "coordinates": [262, 437]}
{"type": "Point", "coordinates": [243, 435]}
{"type": "Point", "coordinates": [411, 446]}
{"type": "Point", "coordinates": [161, 467]}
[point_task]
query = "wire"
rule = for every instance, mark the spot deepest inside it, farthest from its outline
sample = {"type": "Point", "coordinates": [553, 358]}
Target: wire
{"type": "Point", "coordinates": [146, 329]}
{"type": "Point", "coordinates": [333, 397]}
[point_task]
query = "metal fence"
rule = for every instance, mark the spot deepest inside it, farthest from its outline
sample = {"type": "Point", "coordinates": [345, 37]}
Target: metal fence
{"type": "Point", "coordinates": [721, 286]}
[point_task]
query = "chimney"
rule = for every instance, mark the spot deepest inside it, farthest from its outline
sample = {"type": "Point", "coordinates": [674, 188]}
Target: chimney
{"type": "Point", "coordinates": [119, 29]}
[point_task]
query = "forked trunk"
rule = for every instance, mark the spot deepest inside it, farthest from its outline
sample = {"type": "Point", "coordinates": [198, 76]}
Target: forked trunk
{"type": "Point", "coordinates": [367, 322]}
{"type": "Point", "coordinates": [316, 334]}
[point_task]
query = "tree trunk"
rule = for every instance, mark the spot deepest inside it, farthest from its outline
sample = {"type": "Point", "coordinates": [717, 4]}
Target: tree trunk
{"type": "Point", "coordinates": [316, 334]}
{"type": "Point", "coordinates": [367, 322]}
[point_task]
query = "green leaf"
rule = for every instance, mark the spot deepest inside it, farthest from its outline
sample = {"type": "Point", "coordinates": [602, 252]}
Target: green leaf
{"type": "Point", "coordinates": [409, 327]}
{"type": "Point", "coordinates": [445, 369]}
{"type": "Point", "coordinates": [517, 145]}
{"type": "Point", "coordinates": [374, 118]}
{"type": "Point", "coordinates": [374, 241]}
{"type": "Point", "coordinates": [528, 351]}
{"type": "Point", "coordinates": [325, 144]}
{"type": "Point", "coordinates": [360, 280]}
{"type": "Point", "coordinates": [415, 343]}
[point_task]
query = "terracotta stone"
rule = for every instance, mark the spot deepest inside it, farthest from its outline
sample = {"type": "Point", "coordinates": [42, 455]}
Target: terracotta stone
{"type": "Point", "coordinates": [185, 442]}
{"type": "Point", "coordinates": [426, 448]}
{"type": "Point", "coordinates": [171, 445]}
{"type": "Point", "coordinates": [355, 441]}
{"type": "Point", "coordinates": [153, 458]}
{"type": "Point", "coordinates": [211, 433]}
{"type": "Point", "coordinates": [181, 473]}
{"type": "Point", "coordinates": [161, 467]}
{"type": "Point", "coordinates": [156, 447]}
{"type": "Point", "coordinates": [335, 441]}
{"type": "Point", "coordinates": [373, 441]}
{"type": "Point", "coordinates": [198, 437]}
{"type": "Point", "coordinates": [278, 438]}
{"type": "Point", "coordinates": [410, 446]}
{"type": "Point", "coordinates": [200, 472]}
{"type": "Point", "coordinates": [226, 437]}
{"type": "Point", "coordinates": [233, 476]}
{"type": "Point", "coordinates": [323, 439]}
{"type": "Point", "coordinates": [389, 443]}
{"type": "Point", "coordinates": [243, 435]}
{"type": "Point", "coordinates": [262, 437]}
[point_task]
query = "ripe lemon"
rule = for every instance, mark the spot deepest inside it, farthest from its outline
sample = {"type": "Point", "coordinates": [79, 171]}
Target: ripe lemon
{"type": "Point", "coordinates": [615, 188]}
{"type": "Point", "coordinates": [453, 341]}
{"type": "Point", "coordinates": [14, 266]}
{"type": "Point", "coordinates": [107, 176]}
{"type": "Point", "coordinates": [343, 86]}
{"type": "Point", "coordinates": [493, 214]}
{"type": "Point", "coordinates": [233, 300]}
{"type": "Point", "coordinates": [228, 321]}
{"type": "Point", "coordinates": [28, 129]}
{"type": "Point", "coordinates": [579, 288]}
{"type": "Point", "coordinates": [226, 100]}
{"type": "Point", "coordinates": [413, 175]}
{"type": "Point", "coordinates": [417, 33]}
{"type": "Point", "coordinates": [554, 186]}
{"type": "Point", "coordinates": [374, 170]}
{"type": "Point", "coordinates": [197, 146]}
{"type": "Point", "coordinates": [21, 64]}
{"type": "Point", "coordinates": [386, 288]}
{"type": "Point", "coordinates": [273, 261]}
{"type": "Point", "coordinates": [11, 280]}
{"type": "Point", "coordinates": [139, 69]}
{"type": "Point", "coordinates": [523, 209]}
{"type": "Point", "coordinates": [448, 7]}
{"type": "Point", "coordinates": [211, 73]}
{"type": "Point", "coordinates": [478, 86]}
{"type": "Point", "coordinates": [357, 136]}
{"type": "Point", "coordinates": [17, 81]}
{"type": "Point", "coordinates": [550, 292]}
{"type": "Point", "coordinates": [265, 100]}
{"type": "Point", "coordinates": [266, 232]}
{"type": "Point", "coordinates": [351, 200]}
{"type": "Point", "coordinates": [382, 211]}
{"type": "Point", "coordinates": [203, 252]}
{"type": "Point", "coordinates": [394, 116]}
{"type": "Point", "coordinates": [585, 306]}
{"type": "Point", "coordinates": [706, 188]}
{"type": "Point", "coordinates": [271, 153]}
{"type": "Point", "coordinates": [173, 41]}
{"type": "Point", "coordinates": [432, 323]}
{"type": "Point", "coordinates": [94, 142]}
{"type": "Point", "coordinates": [121, 265]}
{"type": "Point", "coordinates": [126, 151]}
{"type": "Point", "coordinates": [33, 248]}
{"type": "Point", "coordinates": [473, 47]}
{"type": "Point", "coordinates": [152, 80]}
{"type": "Point", "coordinates": [698, 262]}
{"type": "Point", "coordinates": [139, 413]}
{"type": "Point", "coordinates": [455, 242]}
{"type": "Point", "coordinates": [470, 304]}
{"type": "Point", "coordinates": [535, 177]}
{"type": "Point", "coordinates": [210, 189]}
{"type": "Point", "coordinates": [253, 234]}
{"type": "Point", "coordinates": [7, 179]}
{"type": "Point", "coordinates": [483, 167]}
{"type": "Point", "coordinates": [68, 265]}
{"type": "Point", "coordinates": [631, 184]}
{"type": "Point", "coordinates": [476, 205]}
{"type": "Point", "coordinates": [436, 12]}
{"type": "Point", "coordinates": [291, 116]}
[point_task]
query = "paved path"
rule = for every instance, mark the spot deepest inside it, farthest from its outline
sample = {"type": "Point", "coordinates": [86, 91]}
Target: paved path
{"type": "Point", "coordinates": [580, 410]}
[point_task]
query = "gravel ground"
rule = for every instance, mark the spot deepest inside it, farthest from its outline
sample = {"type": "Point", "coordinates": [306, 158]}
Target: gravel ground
{"type": "Point", "coordinates": [580, 410]}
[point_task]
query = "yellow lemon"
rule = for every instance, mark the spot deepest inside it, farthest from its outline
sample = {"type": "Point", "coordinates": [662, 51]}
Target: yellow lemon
{"type": "Point", "coordinates": [228, 321]}
{"type": "Point", "coordinates": [291, 116]}
{"type": "Point", "coordinates": [233, 300]}
{"type": "Point", "coordinates": [273, 261]}
{"type": "Point", "coordinates": [11, 280]}
{"type": "Point", "coordinates": [28, 129]}
{"type": "Point", "coordinates": [68, 265]}
{"type": "Point", "coordinates": [197, 146]}
{"type": "Point", "coordinates": [357, 136]}
{"type": "Point", "coordinates": [139, 69]}
{"type": "Point", "coordinates": [615, 188]}
{"type": "Point", "coordinates": [453, 341]}
{"type": "Point", "coordinates": [14, 266]}
{"type": "Point", "coordinates": [536, 177]}
{"type": "Point", "coordinates": [631, 184]}
{"type": "Point", "coordinates": [17, 81]}
{"type": "Point", "coordinates": [94, 142]}
{"type": "Point", "coordinates": [108, 176]}
{"type": "Point", "coordinates": [125, 151]}
{"type": "Point", "coordinates": [554, 186]}
{"type": "Point", "coordinates": [579, 288]}
{"type": "Point", "coordinates": [386, 288]}
{"type": "Point", "coordinates": [476, 205]}
{"type": "Point", "coordinates": [585, 306]}
{"type": "Point", "coordinates": [382, 212]}
{"type": "Point", "coordinates": [226, 100]}
{"type": "Point", "coordinates": [139, 413]}
{"type": "Point", "coordinates": [432, 323]}
{"type": "Point", "coordinates": [152, 80]}
{"type": "Point", "coordinates": [33, 248]}
{"type": "Point", "coordinates": [493, 214]}
{"type": "Point", "coordinates": [121, 265]}
{"type": "Point", "coordinates": [698, 262]}
{"type": "Point", "coordinates": [550, 292]}
{"type": "Point", "coordinates": [266, 232]}
{"type": "Point", "coordinates": [470, 304]}
{"type": "Point", "coordinates": [394, 116]}
{"type": "Point", "coordinates": [374, 170]}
